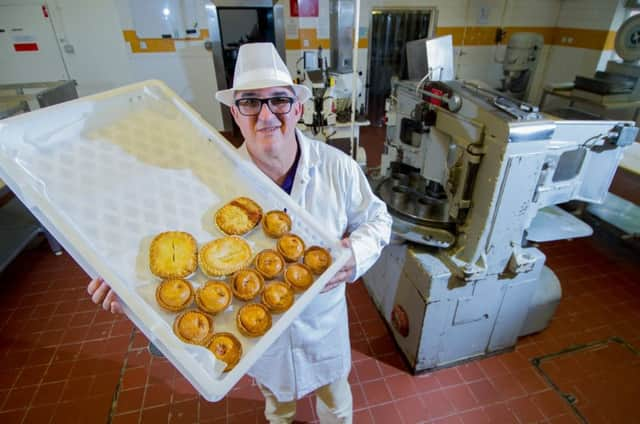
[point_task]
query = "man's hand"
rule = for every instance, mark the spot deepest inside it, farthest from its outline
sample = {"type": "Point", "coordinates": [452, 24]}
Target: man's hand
{"type": "Point", "coordinates": [345, 272]}
{"type": "Point", "coordinates": [101, 294]}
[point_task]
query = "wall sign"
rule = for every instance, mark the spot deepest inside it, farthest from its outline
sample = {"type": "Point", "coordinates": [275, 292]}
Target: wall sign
{"type": "Point", "coordinates": [25, 43]}
{"type": "Point", "coordinates": [26, 47]}
{"type": "Point", "coordinates": [304, 8]}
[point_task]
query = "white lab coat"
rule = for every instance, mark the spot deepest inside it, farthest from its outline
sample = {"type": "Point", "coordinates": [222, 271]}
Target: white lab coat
{"type": "Point", "coordinates": [315, 349]}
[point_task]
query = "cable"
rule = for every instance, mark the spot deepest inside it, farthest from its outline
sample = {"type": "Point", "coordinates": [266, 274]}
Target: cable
{"type": "Point", "coordinates": [595, 137]}
{"type": "Point", "coordinates": [424, 78]}
{"type": "Point", "coordinates": [297, 63]}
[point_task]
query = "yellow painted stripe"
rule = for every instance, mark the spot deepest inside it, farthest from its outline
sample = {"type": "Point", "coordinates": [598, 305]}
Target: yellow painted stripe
{"type": "Point", "coordinates": [308, 40]}
{"type": "Point", "coordinates": [610, 41]}
{"type": "Point", "coordinates": [157, 45]}
{"type": "Point", "coordinates": [581, 38]}
{"type": "Point", "coordinates": [153, 45]}
{"type": "Point", "coordinates": [457, 33]}
{"type": "Point", "coordinates": [469, 36]}
{"type": "Point", "coordinates": [296, 44]}
{"type": "Point", "coordinates": [570, 37]}
{"type": "Point", "coordinates": [292, 44]}
{"type": "Point", "coordinates": [546, 32]}
{"type": "Point", "coordinates": [480, 36]}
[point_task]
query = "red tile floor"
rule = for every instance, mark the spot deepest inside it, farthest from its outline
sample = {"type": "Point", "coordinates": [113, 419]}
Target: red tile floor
{"type": "Point", "coordinates": [64, 361]}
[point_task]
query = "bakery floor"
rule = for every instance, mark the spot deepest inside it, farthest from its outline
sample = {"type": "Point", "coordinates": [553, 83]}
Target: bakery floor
{"type": "Point", "coordinates": [63, 360]}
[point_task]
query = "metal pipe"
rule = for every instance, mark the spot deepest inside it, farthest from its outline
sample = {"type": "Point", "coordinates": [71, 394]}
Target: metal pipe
{"type": "Point", "coordinates": [448, 100]}
{"type": "Point", "coordinates": [353, 142]}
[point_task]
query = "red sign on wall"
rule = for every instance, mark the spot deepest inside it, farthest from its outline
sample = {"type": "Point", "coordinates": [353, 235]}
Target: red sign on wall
{"type": "Point", "coordinates": [304, 8]}
{"type": "Point", "coordinates": [26, 47]}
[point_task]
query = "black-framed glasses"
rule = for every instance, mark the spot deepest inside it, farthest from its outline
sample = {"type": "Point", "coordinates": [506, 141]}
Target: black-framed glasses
{"type": "Point", "coordinates": [251, 106]}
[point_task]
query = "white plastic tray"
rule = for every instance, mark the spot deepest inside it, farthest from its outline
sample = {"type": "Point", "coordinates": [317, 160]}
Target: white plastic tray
{"type": "Point", "coordinates": [106, 173]}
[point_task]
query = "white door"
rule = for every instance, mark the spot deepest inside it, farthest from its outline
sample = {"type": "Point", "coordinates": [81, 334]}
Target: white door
{"type": "Point", "coordinates": [29, 50]}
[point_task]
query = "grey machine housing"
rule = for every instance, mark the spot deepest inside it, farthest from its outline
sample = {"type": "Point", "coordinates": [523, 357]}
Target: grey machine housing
{"type": "Point", "coordinates": [466, 170]}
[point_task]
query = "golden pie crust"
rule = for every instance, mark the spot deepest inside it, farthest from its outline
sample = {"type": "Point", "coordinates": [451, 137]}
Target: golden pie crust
{"type": "Point", "coordinates": [214, 297]}
{"type": "Point", "coordinates": [224, 256]}
{"type": "Point", "coordinates": [173, 254]}
{"type": "Point", "coordinates": [277, 296]}
{"type": "Point", "coordinates": [193, 327]}
{"type": "Point", "coordinates": [239, 216]}
{"type": "Point", "coordinates": [227, 348]}
{"type": "Point", "coordinates": [291, 247]}
{"type": "Point", "coordinates": [276, 224]}
{"type": "Point", "coordinates": [318, 259]}
{"type": "Point", "coordinates": [299, 276]}
{"type": "Point", "coordinates": [246, 284]}
{"type": "Point", "coordinates": [253, 320]}
{"type": "Point", "coordinates": [269, 263]}
{"type": "Point", "coordinates": [174, 294]}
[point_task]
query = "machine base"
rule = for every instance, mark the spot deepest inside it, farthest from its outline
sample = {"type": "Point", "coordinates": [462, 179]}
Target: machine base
{"type": "Point", "coordinates": [438, 323]}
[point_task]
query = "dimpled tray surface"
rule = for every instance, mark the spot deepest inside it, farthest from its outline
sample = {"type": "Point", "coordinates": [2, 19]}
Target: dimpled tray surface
{"type": "Point", "coordinates": [106, 173]}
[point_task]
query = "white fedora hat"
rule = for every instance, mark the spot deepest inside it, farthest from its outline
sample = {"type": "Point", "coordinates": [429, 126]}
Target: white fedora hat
{"type": "Point", "coordinates": [260, 66]}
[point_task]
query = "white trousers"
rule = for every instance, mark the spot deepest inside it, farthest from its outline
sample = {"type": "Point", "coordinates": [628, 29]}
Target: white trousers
{"type": "Point", "coordinates": [334, 404]}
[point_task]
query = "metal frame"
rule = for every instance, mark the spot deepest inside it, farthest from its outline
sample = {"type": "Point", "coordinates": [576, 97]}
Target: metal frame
{"type": "Point", "coordinates": [432, 26]}
{"type": "Point", "coordinates": [213, 19]}
{"type": "Point", "coordinates": [51, 93]}
{"type": "Point", "coordinates": [341, 21]}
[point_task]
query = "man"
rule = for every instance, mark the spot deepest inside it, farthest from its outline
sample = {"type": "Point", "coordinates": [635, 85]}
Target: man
{"type": "Point", "coordinates": [313, 354]}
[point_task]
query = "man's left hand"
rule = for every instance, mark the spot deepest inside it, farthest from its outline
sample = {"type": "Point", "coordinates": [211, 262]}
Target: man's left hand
{"type": "Point", "coordinates": [345, 272]}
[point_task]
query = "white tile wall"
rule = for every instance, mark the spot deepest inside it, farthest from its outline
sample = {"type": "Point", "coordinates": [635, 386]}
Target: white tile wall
{"type": "Point", "coordinates": [495, 9]}
{"type": "Point", "coordinates": [308, 22]}
{"type": "Point", "coordinates": [470, 55]}
{"type": "Point", "coordinates": [189, 72]}
{"type": "Point", "coordinates": [565, 63]}
{"type": "Point", "coordinates": [537, 81]}
{"type": "Point", "coordinates": [539, 13]}
{"type": "Point", "coordinates": [92, 27]}
{"type": "Point", "coordinates": [589, 14]}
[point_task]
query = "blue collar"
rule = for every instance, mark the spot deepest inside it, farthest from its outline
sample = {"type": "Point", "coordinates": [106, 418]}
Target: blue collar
{"type": "Point", "coordinates": [287, 184]}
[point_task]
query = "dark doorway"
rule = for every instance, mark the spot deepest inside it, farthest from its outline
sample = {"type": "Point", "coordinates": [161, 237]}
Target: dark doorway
{"type": "Point", "coordinates": [233, 23]}
{"type": "Point", "coordinates": [389, 33]}
{"type": "Point", "coordinates": [240, 25]}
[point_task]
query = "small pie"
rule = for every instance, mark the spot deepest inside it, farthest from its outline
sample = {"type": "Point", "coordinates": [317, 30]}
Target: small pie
{"type": "Point", "coordinates": [213, 297]}
{"type": "Point", "coordinates": [277, 296]}
{"type": "Point", "coordinates": [193, 327]}
{"type": "Point", "coordinates": [269, 263]}
{"type": "Point", "coordinates": [299, 276]}
{"type": "Point", "coordinates": [276, 224]}
{"type": "Point", "coordinates": [224, 256]}
{"type": "Point", "coordinates": [227, 348]}
{"type": "Point", "coordinates": [246, 284]}
{"type": "Point", "coordinates": [173, 254]}
{"type": "Point", "coordinates": [174, 295]}
{"type": "Point", "coordinates": [291, 247]}
{"type": "Point", "coordinates": [317, 259]}
{"type": "Point", "coordinates": [253, 320]}
{"type": "Point", "coordinates": [239, 216]}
